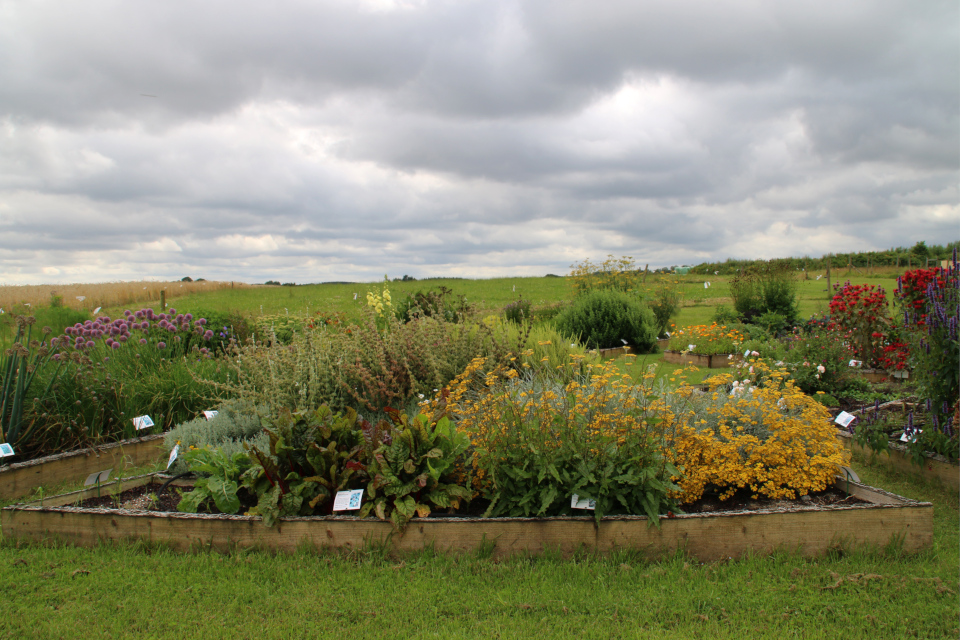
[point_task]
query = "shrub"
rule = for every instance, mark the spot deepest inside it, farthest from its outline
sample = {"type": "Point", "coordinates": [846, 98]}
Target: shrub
{"type": "Point", "coordinates": [771, 287]}
{"type": "Point", "coordinates": [764, 435]}
{"type": "Point", "coordinates": [518, 311]}
{"type": "Point", "coordinates": [724, 315]}
{"type": "Point", "coordinates": [861, 312]}
{"type": "Point", "coordinates": [604, 319]}
{"type": "Point", "coordinates": [665, 302]}
{"type": "Point", "coordinates": [440, 305]}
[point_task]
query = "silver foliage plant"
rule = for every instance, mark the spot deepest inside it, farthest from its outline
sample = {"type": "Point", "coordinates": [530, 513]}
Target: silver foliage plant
{"type": "Point", "coordinates": [237, 422]}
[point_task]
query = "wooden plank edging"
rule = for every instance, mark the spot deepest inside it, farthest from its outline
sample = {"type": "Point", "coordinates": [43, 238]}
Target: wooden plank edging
{"type": "Point", "coordinates": [717, 361]}
{"type": "Point", "coordinates": [22, 478]}
{"type": "Point", "coordinates": [934, 467]}
{"type": "Point", "coordinates": [810, 530]}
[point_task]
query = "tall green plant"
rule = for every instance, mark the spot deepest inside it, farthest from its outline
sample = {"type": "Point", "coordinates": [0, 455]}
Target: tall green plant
{"type": "Point", "coordinates": [19, 367]}
{"type": "Point", "coordinates": [605, 318]}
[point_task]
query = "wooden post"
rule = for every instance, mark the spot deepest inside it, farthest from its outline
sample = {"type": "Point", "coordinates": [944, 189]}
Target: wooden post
{"type": "Point", "coordinates": [645, 270]}
{"type": "Point", "coordinates": [163, 300]}
{"type": "Point", "coordinates": [829, 260]}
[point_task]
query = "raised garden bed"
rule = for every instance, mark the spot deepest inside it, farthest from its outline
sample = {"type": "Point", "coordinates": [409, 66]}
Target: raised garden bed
{"type": "Point", "coordinates": [22, 478]}
{"type": "Point", "coordinates": [892, 417]}
{"type": "Point", "coordinates": [871, 517]}
{"type": "Point", "coordinates": [719, 361]}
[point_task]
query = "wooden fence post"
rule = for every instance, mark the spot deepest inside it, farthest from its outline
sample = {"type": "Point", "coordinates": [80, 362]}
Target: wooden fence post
{"type": "Point", "coordinates": [829, 260]}
{"type": "Point", "coordinates": [163, 300]}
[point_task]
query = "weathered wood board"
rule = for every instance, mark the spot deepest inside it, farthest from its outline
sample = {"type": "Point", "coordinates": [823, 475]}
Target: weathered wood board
{"type": "Point", "coordinates": [807, 530]}
{"type": "Point", "coordinates": [22, 478]}
{"type": "Point", "coordinates": [934, 466]}
{"type": "Point", "coordinates": [720, 361]}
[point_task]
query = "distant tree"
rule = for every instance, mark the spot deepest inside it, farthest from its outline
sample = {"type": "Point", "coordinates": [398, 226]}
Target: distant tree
{"type": "Point", "coordinates": [186, 279]}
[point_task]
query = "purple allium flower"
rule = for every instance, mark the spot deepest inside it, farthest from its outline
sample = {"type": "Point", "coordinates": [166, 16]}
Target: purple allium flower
{"type": "Point", "coordinates": [115, 345]}
{"type": "Point", "coordinates": [143, 341]}
{"type": "Point", "coordinates": [172, 310]}
{"type": "Point", "coordinates": [208, 334]}
{"type": "Point", "coordinates": [57, 357]}
{"type": "Point", "coordinates": [139, 314]}
{"type": "Point", "coordinates": [89, 344]}
{"type": "Point", "coordinates": [202, 321]}
{"type": "Point", "coordinates": [179, 318]}
{"type": "Point", "coordinates": [188, 317]}
{"type": "Point", "coordinates": [161, 345]}
{"type": "Point", "coordinates": [109, 341]}
{"type": "Point", "coordinates": [177, 338]}
{"type": "Point", "coordinates": [123, 337]}
{"type": "Point", "coordinates": [127, 313]}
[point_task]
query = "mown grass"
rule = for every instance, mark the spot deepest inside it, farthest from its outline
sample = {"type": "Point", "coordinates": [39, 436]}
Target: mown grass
{"type": "Point", "coordinates": [136, 590]}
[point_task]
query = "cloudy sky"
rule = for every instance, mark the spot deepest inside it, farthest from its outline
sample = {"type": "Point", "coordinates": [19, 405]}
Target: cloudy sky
{"type": "Point", "coordinates": [314, 140]}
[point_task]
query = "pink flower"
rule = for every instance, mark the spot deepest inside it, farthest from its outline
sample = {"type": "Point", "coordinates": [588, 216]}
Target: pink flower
{"type": "Point", "coordinates": [821, 369]}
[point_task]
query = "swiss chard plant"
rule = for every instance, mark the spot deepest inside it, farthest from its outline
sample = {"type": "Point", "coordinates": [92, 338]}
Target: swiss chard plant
{"type": "Point", "coordinates": [312, 455]}
{"type": "Point", "coordinates": [218, 482]}
{"type": "Point", "coordinates": [409, 469]}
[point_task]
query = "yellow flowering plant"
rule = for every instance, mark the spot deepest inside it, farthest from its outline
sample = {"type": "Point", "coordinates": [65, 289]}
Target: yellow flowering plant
{"type": "Point", "coordinates": [381, 303]}
{"type": "Point", "coordinates": [759, 433]}
{"type": "Point", "coordinates": [706, 339]}
{"type": "Point", "coordinates": [539, 441]}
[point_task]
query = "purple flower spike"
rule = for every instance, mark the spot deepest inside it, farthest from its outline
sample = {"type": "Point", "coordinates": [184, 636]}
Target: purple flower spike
{"type": "Point", "coordinates": [161, 345]}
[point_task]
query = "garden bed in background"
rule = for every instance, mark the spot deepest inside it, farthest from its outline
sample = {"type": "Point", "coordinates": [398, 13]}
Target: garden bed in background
{"type": "Point", "coordinates": [870, 517]}
{"type": "Point", "coordinates": [718, 361]}
{"type": "Point", "coordinates": [894, 416]}
{"type": "Point", "coordinates": [22, 478]}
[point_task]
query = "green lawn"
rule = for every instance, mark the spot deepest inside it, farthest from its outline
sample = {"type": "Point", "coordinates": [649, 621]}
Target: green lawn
{"type": "Point", "coordinates": [138, 591]}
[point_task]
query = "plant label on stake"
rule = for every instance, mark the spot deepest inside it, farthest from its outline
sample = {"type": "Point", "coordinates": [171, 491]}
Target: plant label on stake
{"type": "Point", "coordinates": [97, 310]}
{"type": "Point", "coordinates": [348, 500]}
{"type": "Point", "coordinates": [5, 450]}
{"type": "Point", "coordinates": [97, 477]}
{"type": "Point", "coordinates": [576, 502]}
{"type": "Point", "coordinates": [142, 422]}
{"type": "Point", "coordinates": [855, 363]}
{"type": "Point", "coordinates": [911, 438]}
{"type": "Point", "coordinates": [173, 455]}
{"type": "Point", "coordinates": [844, 419]}
{"type": "Point", "coordinates": [209, 415]}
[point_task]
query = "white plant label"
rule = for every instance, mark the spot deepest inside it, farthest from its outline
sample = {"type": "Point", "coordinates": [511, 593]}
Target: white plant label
{"type": "Point", "coordinates": [348, 500]}
{"type": "Point", "coordinates": [577, 503]}
{"type": "Point", "coordinates": [624, 341]}
{"type": "Point", "coordinates": [905, 438]}
{"type": "Point", "coordinates": [97, 310]}
{"type": "Point", "coordinates": [706, 285]}
{"type": "Point", "coordinates": [142, 422]}
{"type": "Point", "coordinates": [173, 455]}
{"type": "Point", "coordinates": [844, 419]}
{"type": "Point", "coordinates": [691, 347]}
{"type": "Point", "coordinates": [209, 415]}
{"type": "Point", "coordinates": [99, 476]}
{"type": "Point", "coordinates": [81, 298]}
{"type": "Point", "coordinates": [855, 363]}
{"type": "Point", "coordinates": [5, 450]}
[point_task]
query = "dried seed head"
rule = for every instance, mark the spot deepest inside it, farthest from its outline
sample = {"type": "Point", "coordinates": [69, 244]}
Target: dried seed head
{"type": "Point", "coordinates": [47, 330]}
{"type": "Point", "coordinates": [31, 320]}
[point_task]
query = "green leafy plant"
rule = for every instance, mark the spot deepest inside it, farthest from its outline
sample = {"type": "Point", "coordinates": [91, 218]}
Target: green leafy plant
{"type": "Point", "coordinates": [606, 318]}
{"type": "Point", "coordinates": [218, 482]}
{"type": "Point", "coordinates": [311, 456]}
{"type": "Point", "coordinates": [408, 470]}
